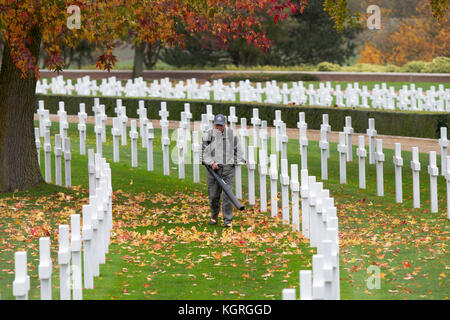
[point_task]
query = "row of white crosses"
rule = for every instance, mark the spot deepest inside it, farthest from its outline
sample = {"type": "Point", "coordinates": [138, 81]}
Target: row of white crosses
{"type": "Point", "coordinates": [320, 225]}
{"type": "Point", "coordinates": [344, 149]}
{"type": "Point", "coordinates": [119, 130]}
{"type": "Point", "coordinates": [407, 98]}
{"type": "Point", "coordinates": [377, 157]}
{"type": "Point", "coordinates": [62, 146]}
{"type": "Point", "coordinates": [260, 137]}
{"type": "Point", "coordinates": [92, 239]}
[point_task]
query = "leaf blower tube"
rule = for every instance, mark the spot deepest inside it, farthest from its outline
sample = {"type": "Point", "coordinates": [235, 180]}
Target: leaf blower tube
{"type": "Point", "coordinates": [225, 188]}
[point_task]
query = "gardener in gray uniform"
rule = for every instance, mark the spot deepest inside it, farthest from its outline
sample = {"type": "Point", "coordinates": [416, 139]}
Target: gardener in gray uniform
{"type": "Point", "coordinates": [222, 151]}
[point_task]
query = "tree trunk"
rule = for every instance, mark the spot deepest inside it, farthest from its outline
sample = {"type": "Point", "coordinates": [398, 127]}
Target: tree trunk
{"type": "Point", "coordinates": [19, 168]}
{"type": "Point", "coordinates": [138, 63]}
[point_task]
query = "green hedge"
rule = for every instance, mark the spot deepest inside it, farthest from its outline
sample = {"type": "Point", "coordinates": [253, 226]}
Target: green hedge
{"type": "Point", "coordinates": [408, 124]}
{"type": "Point", "coordinates": [263, 77]}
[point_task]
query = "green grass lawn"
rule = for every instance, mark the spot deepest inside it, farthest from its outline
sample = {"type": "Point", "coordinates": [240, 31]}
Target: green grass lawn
{"type": "Point", "coordinates": [163, 248]}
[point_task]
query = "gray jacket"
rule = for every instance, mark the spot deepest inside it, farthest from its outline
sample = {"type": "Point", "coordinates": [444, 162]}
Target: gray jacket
{"type": "Point", "coordinates": [222, 148]}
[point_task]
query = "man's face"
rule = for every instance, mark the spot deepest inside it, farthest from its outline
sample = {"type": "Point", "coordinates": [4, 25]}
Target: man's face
{"type": "Point", "coordinates": [219, 127]}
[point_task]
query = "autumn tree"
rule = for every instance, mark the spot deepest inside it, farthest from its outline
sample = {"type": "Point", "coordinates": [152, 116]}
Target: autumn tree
{"type": "Point", "coordinates": [27, 24]}
{"type": "Point", "coordinates": [419, 37]}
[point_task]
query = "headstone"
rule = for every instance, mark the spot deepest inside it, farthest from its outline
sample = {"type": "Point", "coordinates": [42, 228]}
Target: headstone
{"type": "Point", "coordinates": [37, 141]}
{"type": "Point", "coordinates": [262, 168]}
{"type": "Point", "coordinates": [314, 198]}
{"type": "Point", "coordinates": [243, 133]}
{"type": "Point", "coordinates": [98, 133]}
{"type": "Point", "coordinates": [284, 139]}
{"type": "Point", "coordinates": [87, 246]}
{"type": "Point", "coordinates": [326, 129]}
{"type": "Point", "coordinates": [342, 149]}
{"type": "Point", "coordinates": [91, 171]}
{"type": "Point", "coordinates": [48, 154]}
{"type": "Point", "coordinates": [284, 181]}
{"type": "Point", "coordinates": [264, 136]}
{"type": "Point", "coordinates": [348, 130]}
{"type": "Point", "coordinates": [251, 166]}
{"type": "Point", "coordinates": [303, 147]}
{"type": "Point", "coordinates": [82, 116]}
{"type": "Point", "coordinates": [67, 161]}
{"type": "Point", "coordinates": [58, 154]}
{"type": "Point", "coordinates": [150, 136]}
{"type": "Point", "coordinates": [63, 124]}
{"type": "Point", "coordinates": [304, 185]}
{"type": "Point", "coordinates": [256, 121]}
{"type": "Point", "coordinates": [45, 268]}
{"type": "Point", "coordinates": [398, 163]}
{"type": "Point", "coordinates": [123, 125]}
{"type": "Point", "coordinates": [444, 143]}
{"type": "Point", "coordinates": [324, 147]}
{"type": "Point", "coordinates": [210, 115]}
{"type": "Point", "coordinates": [295, 190]}
{"type": "Point", "coordinates": [142, 112]}
{"type": "Point", "coordinates": [103, 118]}
{"type": "Point", "coordinates": [134, 137]}
{"type": "Point", "coordinates": [21, 284]}
{"type": "Point", "coordinates": [180, 146]}
{"type": "Point", "coordinates": [362, 155]}
{"type": "Point", "coordinates": [372, 133]}
{"type": "Point", "coordinates": [288, 294]}
{"type": "Point", "coordinates": [415, 166]}
{"type": "Point", "coordinates": [188, 117]}
{"type": "Point", "coordinates": [379, 159]}
{"type": "Point", "coordinates": [75, 247]}
{"type": "Point", "coordinates": [232, 119]}
{"type": "Point", "coordinates": [433, 171]}
{"type": "Point", "coordinates": [64, 262]}
{"type": "Point", "coordinates": [95, 242]}
{"type": "Point", "coordinates": [273, 172]}
{"type": "Point", "coordinates": [238, 180]}
{"type": "Point", "coordinates": [318, 287]}
{"type": "Point", "coordinates": [41, 114]}
{"type": "Point", "coordinates": [100, 208]}
{"type": "Point", "coordinates": [447, 179]}
{"type": "Point", "coordinates": [165, 141]}
{"type": "Point", "coordinates": [305, 285]}
{"type": "Point", "coordinates": [115, 131]}
{"type": "Point", "coordinates": [277, 124]}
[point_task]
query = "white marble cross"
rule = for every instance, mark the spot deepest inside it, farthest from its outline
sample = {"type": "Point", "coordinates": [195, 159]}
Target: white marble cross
{"type": "Point", "coordinates": [64, 262]}
{"type": "Point", "coordinates": [87, 246]}
{"type": "Point", "coordinates": [379, 159]}
{"type": "Point", "coordinates": [348, 130]}
{"type": "Point", "coordinates": [433, 171]}
{"type": "Point", "coordinates": [273, 172]}
{"type": "Point", "coordinates": [372, 133]}
{"type": "Point", "coordinates": [262, 168]}
{"type": "Point", "coordinates": [75, 247]}
{"type": "Point", "coordinates": [58, 154]}
{"type": "Point", "coordinates": [134, 136]}
{"type": "Point", "coordinates": [415, 166]}
{"type": "Point", "coordinates": [251, 166]}
{"type": "Point", "coordinates": [342, 149]}
{"type": "Point", "coordinates": [398, 163]}
{"type": "Point", "coordinates": [362, 155]}
{"type": "Point", "coordinates": [21, 284]}
{"type": "Point", "coordinates": [45, 268]}
{"type": "Point", "coordinates": [444, 143]}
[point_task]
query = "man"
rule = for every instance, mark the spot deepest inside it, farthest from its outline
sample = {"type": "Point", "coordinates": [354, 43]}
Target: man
{"type": "Point", "coordinates": [222, 151]}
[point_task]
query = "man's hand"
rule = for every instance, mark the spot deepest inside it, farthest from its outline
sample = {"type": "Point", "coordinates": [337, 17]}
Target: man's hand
{"type": "Point", "coordinates": [215, 166]}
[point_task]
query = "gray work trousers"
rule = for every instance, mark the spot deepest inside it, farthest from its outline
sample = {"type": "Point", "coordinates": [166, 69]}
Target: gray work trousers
{"type": "Point", "coordinates": [215, 190]}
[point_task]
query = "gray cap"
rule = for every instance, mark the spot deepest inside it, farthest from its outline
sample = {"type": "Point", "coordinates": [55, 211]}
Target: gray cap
{"type": "Point", "coordinates": [219, 119]}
